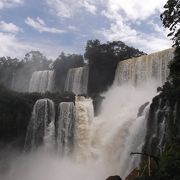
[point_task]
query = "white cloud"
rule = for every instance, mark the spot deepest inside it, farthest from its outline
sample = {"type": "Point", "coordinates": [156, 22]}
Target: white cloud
{"type": "Point", "coordinates": [39, 25]}
{"type": "Point", "coordinates": [67, 8]}
{"type": "Point", "coordinates": [10, 3]}
{"type": "Point", "coordinates": [134, 10]}
{"type": "Point", "coordinates": [73, 28]}
{"type": "Point", "coordinates": [12, 46]}
{"type": "Point", "coordinates": [89, 7]}
{"type": "Point", "coordinates": [9, 27]}
{"type": "Point", "coordinates": [146, 42]}
{"type": "Point", "coordinates": [122, 13]}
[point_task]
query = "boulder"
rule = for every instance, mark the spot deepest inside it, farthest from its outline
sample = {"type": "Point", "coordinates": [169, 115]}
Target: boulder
{"type": "Point", "coordinates": [116, 177]}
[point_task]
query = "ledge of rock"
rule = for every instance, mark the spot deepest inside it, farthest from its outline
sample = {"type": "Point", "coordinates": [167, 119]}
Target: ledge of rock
{"type": "Point", "coordinates": [114, 178]}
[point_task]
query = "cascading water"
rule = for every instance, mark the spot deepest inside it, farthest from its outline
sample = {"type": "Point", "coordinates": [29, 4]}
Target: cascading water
{"type": "Point", "coordinates": [41, 126]}
{"type": "Point", "coordinates": [65, 128]}
{"type": "Point", "coordinates": [84, 118]}
{"type": "Point", "coordinates": [42, 81]}
{"type": "Point", "coordinates": [77, 80]}
{"type": "Point", "coordinates": [145, 68]}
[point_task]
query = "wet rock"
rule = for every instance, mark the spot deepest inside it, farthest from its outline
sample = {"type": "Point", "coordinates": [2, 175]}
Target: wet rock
{"type": "Point", "coordinates": [141, 109]}
{"type": "Point", "coordinates": [116, 177]}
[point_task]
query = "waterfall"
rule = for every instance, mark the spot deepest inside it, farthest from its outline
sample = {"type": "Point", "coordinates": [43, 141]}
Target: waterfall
{"type": "Point", "coordinates": [42, 81]}
{"type": "Point", "coordinates": [65, 128]}
{"type": "Point", "coordinates": [41, 126]}
{"type": "Point", "coordinates": [84, 118]}
{"type": "Point", "coordinates": [145, 68]}
{"type": "Point", "coordinates": [101, 145]}
{"type": "Point", "coordinates": [118, 131]}
{"type": "Point", "coordinates": [77, 80]}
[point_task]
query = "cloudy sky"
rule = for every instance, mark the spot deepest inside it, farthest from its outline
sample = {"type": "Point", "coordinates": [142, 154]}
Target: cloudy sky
{"type": "Point", "coordinates": [52, 26]}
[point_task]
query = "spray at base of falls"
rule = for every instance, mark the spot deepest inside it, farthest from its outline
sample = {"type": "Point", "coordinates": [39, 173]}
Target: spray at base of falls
{"type": "Point", "coordinates": [117, 131]}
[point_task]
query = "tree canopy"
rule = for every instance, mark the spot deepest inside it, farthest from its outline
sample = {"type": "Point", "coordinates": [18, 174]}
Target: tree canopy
{"type": "Point", "coordinates": [171, 19]}
{"type": "Point", "coordinates": [61, 66]}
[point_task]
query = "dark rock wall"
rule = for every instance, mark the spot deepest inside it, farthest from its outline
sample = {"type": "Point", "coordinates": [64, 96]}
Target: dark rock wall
{"type": "Point", "coordinates": [163, 125]}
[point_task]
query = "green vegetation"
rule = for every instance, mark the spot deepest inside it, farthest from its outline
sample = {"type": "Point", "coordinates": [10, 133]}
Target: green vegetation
{"type": "Point", "coordinates": [61, 66]}
{"type": "Point", "coordinates": [171, 19]}
{"type": "Point", "coordinates": [15, 74]}
{"type": "Point", "coordinates": [8, 67]}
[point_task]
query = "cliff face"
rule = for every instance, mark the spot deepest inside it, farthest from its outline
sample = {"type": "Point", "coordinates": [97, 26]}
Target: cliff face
{"type": "Point", "coordinates": [15, 113]}
{"type": "Point", "coordinates": [163, 138]}
{"type": "Point", "coordinates": [163, 126]}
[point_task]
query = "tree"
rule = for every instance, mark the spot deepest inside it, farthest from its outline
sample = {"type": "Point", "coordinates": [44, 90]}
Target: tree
{"type": "Point", "coordinates": [171, 19]}
{"type": "Point", "coordinates": [33, 61]}
{"type": "Point", "coordinates": [61, 66]}
{"type": "Point", "coordinates": [8, 67]}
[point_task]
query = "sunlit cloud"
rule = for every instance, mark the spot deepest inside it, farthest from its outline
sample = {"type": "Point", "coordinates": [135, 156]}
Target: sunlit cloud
{"type": "Point", "coordinates": [10, 3]}
{"type": "Point", "coordinates": [39, 25]}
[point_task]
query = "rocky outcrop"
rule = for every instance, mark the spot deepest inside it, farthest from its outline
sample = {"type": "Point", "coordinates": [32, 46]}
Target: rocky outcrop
{"type": "Point", "coordinates": [163, 125]}
{"type": "Point", "coordinates": [116, 177]}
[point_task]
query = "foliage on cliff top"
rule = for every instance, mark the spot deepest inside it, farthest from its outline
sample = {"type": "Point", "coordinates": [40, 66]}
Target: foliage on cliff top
{"type": "Point", "coordinates": [171, 20]}
{"type": "Point", "coordinates": [103, 59]}
{"type": "Point", "coordinates": [61, 66]}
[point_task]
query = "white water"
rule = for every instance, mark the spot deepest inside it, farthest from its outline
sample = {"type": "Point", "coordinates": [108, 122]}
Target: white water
{"type": "Point", "coordinates": [65, 128]}
{"type": "Point", "coordinates": [84, 117]}
{"type": "Point", "coordinates": [41, 128]}
{"type": "Point", "coordinates": [41, 81]}
{"type": "Point", "coordinates": [145, 68]}
{"type": "Point", "coordinates": [77, 80]}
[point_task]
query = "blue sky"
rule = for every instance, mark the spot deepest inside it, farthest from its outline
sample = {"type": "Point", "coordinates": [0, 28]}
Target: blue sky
{"type": "Point", "coordinates": [53, 26]}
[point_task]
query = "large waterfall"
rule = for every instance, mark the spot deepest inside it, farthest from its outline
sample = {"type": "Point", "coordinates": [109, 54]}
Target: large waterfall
{"type": "Point", "coordinates": [65, 128]}
{"type": "Point", "coordinates": [41, 126]}
{"type": "Point", "coordinates": [101, 145]}
{"type": "Point", "coordinates": [120, 129]}
{"type": "Point", "coordinates": [77, 80]}
{"type": "Point", "coordinates": [42, 81]}
{"type": "Point", "coordinates": [145, 68]}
